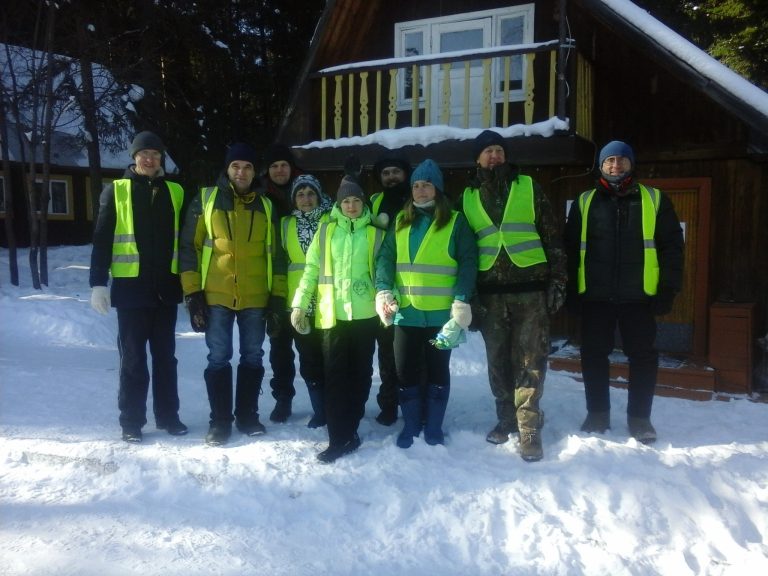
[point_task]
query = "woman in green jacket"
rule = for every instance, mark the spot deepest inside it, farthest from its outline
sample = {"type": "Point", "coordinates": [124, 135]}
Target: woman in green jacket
{"type": "Point", "coordinates": [339, 269]}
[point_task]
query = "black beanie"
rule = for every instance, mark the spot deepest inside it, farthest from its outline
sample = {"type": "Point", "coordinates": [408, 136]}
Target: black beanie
{"type": "Point", "coordinates": [240, 151]}
{"type": "Point", "coordinates": [146, 141]}
{"type": "Point", "coordinates": [349, 187]}
{"type": "Point", "coordinates": [389, 160]}
{"type": "Point", "coordinates": [278, 151]}
{"type": "Point", "coordinates": [487, 138]}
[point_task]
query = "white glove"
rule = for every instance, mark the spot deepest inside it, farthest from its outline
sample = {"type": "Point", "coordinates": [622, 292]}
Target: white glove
{"type": "Point", "coordinates": [461, 312]}
{"type": "Point", "coordinates": [299, 321]}
{"type": "Point", "coordinates": [381, 220]}
{"type": "Point", "coordinates": [100, 299]}
{"type": "Point", "coordinates": [386, 307]}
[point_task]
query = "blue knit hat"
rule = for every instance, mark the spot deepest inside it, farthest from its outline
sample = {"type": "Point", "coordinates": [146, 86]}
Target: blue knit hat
{"type": "Point", "coordinates": [430, 172]}
{"type": "Point", "coordinates": [240, 151]}
{"type": "Point", "coordinates": [616, 148]}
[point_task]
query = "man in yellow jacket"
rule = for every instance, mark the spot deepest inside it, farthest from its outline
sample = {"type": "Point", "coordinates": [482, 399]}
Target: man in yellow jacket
{"type": "Point", "coordinates": [232, 268]}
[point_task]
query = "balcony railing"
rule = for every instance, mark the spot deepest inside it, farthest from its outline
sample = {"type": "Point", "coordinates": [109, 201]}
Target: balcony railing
{"type": "Point", "coordinates": [467, 89]}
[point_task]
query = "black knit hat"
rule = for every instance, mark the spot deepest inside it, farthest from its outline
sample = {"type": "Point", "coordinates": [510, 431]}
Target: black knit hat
{"type": "Point", "coordinates": [487, 138]}
{"type": "Point", "coordinates": [240, 151]}
{"type": "Point", "coordinates": [278, 151]}
{"type": "Point", "coordinates": [389, 160]}
{"type": "Point", "coordinates": [146, 141]}
{"type": "Point", "coordinates": [349, 187]}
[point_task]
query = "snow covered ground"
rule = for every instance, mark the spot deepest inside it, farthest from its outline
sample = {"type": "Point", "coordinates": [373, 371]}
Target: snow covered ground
{"type": "Point", "coordinates": [76, 500]}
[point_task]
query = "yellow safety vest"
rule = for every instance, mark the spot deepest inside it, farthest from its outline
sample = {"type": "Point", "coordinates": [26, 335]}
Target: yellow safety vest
{"type": "Point", "coordinates": [297, 259]}
{"type": "Point", "coordinates": [428, 282]}
{"type": "Point", "coordinates": [650, 207]}
{"type": "Point", "coordinates": [125, 252]}
{"type": "Point", "coordinates": [326, 301]}
{"type": "Point", "coordinates": [208, 201]}
{"type": "Point", "coordinates": [517, 233]}
{"type": "Point", "coordinates": [376, 199]}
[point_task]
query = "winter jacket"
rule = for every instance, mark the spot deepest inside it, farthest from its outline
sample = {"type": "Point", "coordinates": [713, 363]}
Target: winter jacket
{"type": "Point", "coordinates": [390, 200]}
{"type": "Point", "coordinates": [346, 249]}
{"type": "Point", "coordinates": [493, 187]}
{"type": "Point", "coordinates": [294, 245]}
{"type": "Point", "coordinates": [461, 247]}
{"type": "Point", "coordinates": [614, 257]}
{"type": "Point", "coordinates": [237, 276]}
{"type": "Point", "coordinates": [154, 227]}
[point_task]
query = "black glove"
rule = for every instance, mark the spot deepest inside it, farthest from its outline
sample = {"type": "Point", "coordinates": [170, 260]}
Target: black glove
{"type": "Point", "coordinates": [198, 311]}
{"type": "Point", "coordinates": [352, 167]}
{"type": "Point", "coordinates": [555, 296]}
{"type": "Point", "coordinates": [275, 315]}
{"type": "Point", "coordinates": [661, 304]}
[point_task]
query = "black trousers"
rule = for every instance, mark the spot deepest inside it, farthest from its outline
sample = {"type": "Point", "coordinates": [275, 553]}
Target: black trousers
{"type": "Point", "coordinates": [138, 327]}
{"type": "Point", "coordinates": [419, 361]}
{"type": "Point", "coordinates": [310, 348]}
{"type": "Point", "coordinates": [637, 328]}
{"type": "Point", "coordinates": [348, 358]}
{"type": "Point", "coordinates": [281, 359]}
{"type": "Point", "coordinates": [387, 396]}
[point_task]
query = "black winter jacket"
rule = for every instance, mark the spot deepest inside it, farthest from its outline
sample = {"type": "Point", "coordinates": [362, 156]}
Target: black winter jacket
{"type": "Point", "coordinates": [154, 229]}
{"type": "Point", "coordinates": [615, 253]}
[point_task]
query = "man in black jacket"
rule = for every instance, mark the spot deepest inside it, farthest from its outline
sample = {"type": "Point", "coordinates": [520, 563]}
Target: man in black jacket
{"type": "Point", "coordinates": [625, 259]}
{"type": "Point", "coordinates": [136, 241]}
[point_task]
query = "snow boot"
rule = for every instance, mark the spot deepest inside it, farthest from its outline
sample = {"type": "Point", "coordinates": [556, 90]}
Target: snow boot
{"type": "Point", "coordinates": [387, 416]}
{"type": "Point", "coordinates": [247, 400]}
{"type": "Point", "coordinates": [530, 445]}
{"type": "Point", "coordinates": [317, 399]}
{"type": "Point", "coordinates": [336, 451]}
{"type": "Point", "coordinates": [218, 383]}
{"type": "Point", "coordinates": [641, 429]}
{"type": "Point", "coordinates": [410, 406]}
{"type": "Point", "coordinates": [597, 422]}
{"type": "Point", "coordinates": [282, 410]}
{"type": "Point", "coordinates": [500, 433]}
{"type": "Point", "coordinates": [437, 401]}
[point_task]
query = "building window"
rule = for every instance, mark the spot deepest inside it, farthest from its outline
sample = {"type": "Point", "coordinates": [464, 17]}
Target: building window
{"type": "Point", "coordinates": [471, 30]}
{"type": "Point", "coordinates": [59, 198]}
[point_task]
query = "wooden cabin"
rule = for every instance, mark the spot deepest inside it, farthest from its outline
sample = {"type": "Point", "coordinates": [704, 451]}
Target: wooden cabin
{"type": "Point", "coordinates": [558, 79]}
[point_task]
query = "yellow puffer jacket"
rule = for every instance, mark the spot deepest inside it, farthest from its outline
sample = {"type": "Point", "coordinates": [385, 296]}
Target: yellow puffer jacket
{"type": "Point", "coordinates": [237, 276]}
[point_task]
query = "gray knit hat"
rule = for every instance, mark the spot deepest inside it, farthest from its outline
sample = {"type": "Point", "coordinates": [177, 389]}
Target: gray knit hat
{"type": "Point", "coordinates": [146, 141]}
{"type": "Point", "coordinates": [349, 187]}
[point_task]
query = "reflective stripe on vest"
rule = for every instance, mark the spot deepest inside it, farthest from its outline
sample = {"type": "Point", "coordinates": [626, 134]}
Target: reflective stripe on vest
{"type": "Point", "coordinates": [428, 282]}
{"type": "Point", "coordinates": [296, 257]}
{"type": "Point", "coordinates": [326, 302]}
{"type": "Point", "coordinates": [208, 198]}
{"type": "Point", "coordinates": [649, 199]}
{"type": "Point", "coordinates": [517, 233]}
{"type": "Point", "coordinates": [125, 252]}
{"type": "Point", "coordinates": [376, 199]}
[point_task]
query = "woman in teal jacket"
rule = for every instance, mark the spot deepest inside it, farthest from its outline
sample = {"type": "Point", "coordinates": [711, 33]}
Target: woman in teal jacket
{"type": "Point", "coordinates": [425, 276]}
{"type": "Point", "coordinates": [339, 270]}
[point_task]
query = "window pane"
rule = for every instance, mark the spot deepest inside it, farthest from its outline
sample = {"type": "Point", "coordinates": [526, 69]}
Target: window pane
{"type": "Point", "coordinates": [512, 33]}
{"type": "Point", "coordinates": [413, 43]}
{"type": "Point", "coordinates": [462, 40]}
{"type": "Point", "coordinates": [58, 204]}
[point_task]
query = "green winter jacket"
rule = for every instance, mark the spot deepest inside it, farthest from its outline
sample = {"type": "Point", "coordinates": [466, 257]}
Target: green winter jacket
{"type": "Point", "coordinates": [340, 267]}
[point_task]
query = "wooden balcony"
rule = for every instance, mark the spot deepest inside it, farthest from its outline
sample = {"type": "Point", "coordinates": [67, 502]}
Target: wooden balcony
{"type": "Point", "coordinates": [495, 87]}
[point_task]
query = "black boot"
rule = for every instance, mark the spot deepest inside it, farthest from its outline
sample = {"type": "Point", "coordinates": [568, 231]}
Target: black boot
{"type": "Point", "coordinates": [282, 410]}
{"type": "Point", "coordinates": [410, 406]}
{"type": "Point", "coordinates": [218, 383]}
{"type": "Point", "coordinates": [437, 400]}
{"type": "Point", "coordinates": [247, 400]}
{"type": "Point", "coordinates": [336, 451]}
{"type": "Point", "coordinates": [317, 399]}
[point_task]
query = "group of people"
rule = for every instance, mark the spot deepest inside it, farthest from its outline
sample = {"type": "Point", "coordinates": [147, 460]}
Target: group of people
{"type": "Point", "coordinates": [405, 271]}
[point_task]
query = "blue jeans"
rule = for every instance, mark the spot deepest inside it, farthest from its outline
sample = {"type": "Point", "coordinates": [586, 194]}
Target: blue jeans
{"type": "Point", "coordinates": [218, 336]}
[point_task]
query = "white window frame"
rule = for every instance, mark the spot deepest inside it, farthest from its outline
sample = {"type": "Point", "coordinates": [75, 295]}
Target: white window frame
{"type": "Point", "coordinates": [67, 182]}
{"type": "Point", "coordinates": [527, 11]}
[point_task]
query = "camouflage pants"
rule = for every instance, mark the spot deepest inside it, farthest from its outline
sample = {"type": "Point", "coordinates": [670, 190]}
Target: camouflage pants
{"type": "Point", "coordinates": [515, 328]}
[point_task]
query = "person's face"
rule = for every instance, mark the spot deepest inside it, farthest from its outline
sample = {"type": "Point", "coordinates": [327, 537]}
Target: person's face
{"type": "Point", "coordinates": [306, 199]}
{"type": "Point", "coordinates": [616, 165]}
{"type": "Point", "coordinates": [280, 172]}
{"type": "Point", "coordinates": [148, 162]}
{"type": "Point", "coordinates": [241, 174]}
{"type": "Point", "coordinates": [423, 191]}
{"type": "Point", "coordinates": [352, 207]}
{"type": "Point", "coordinates": [392, 176]}
{"type": "Point", "coordinates": [492, 156]}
